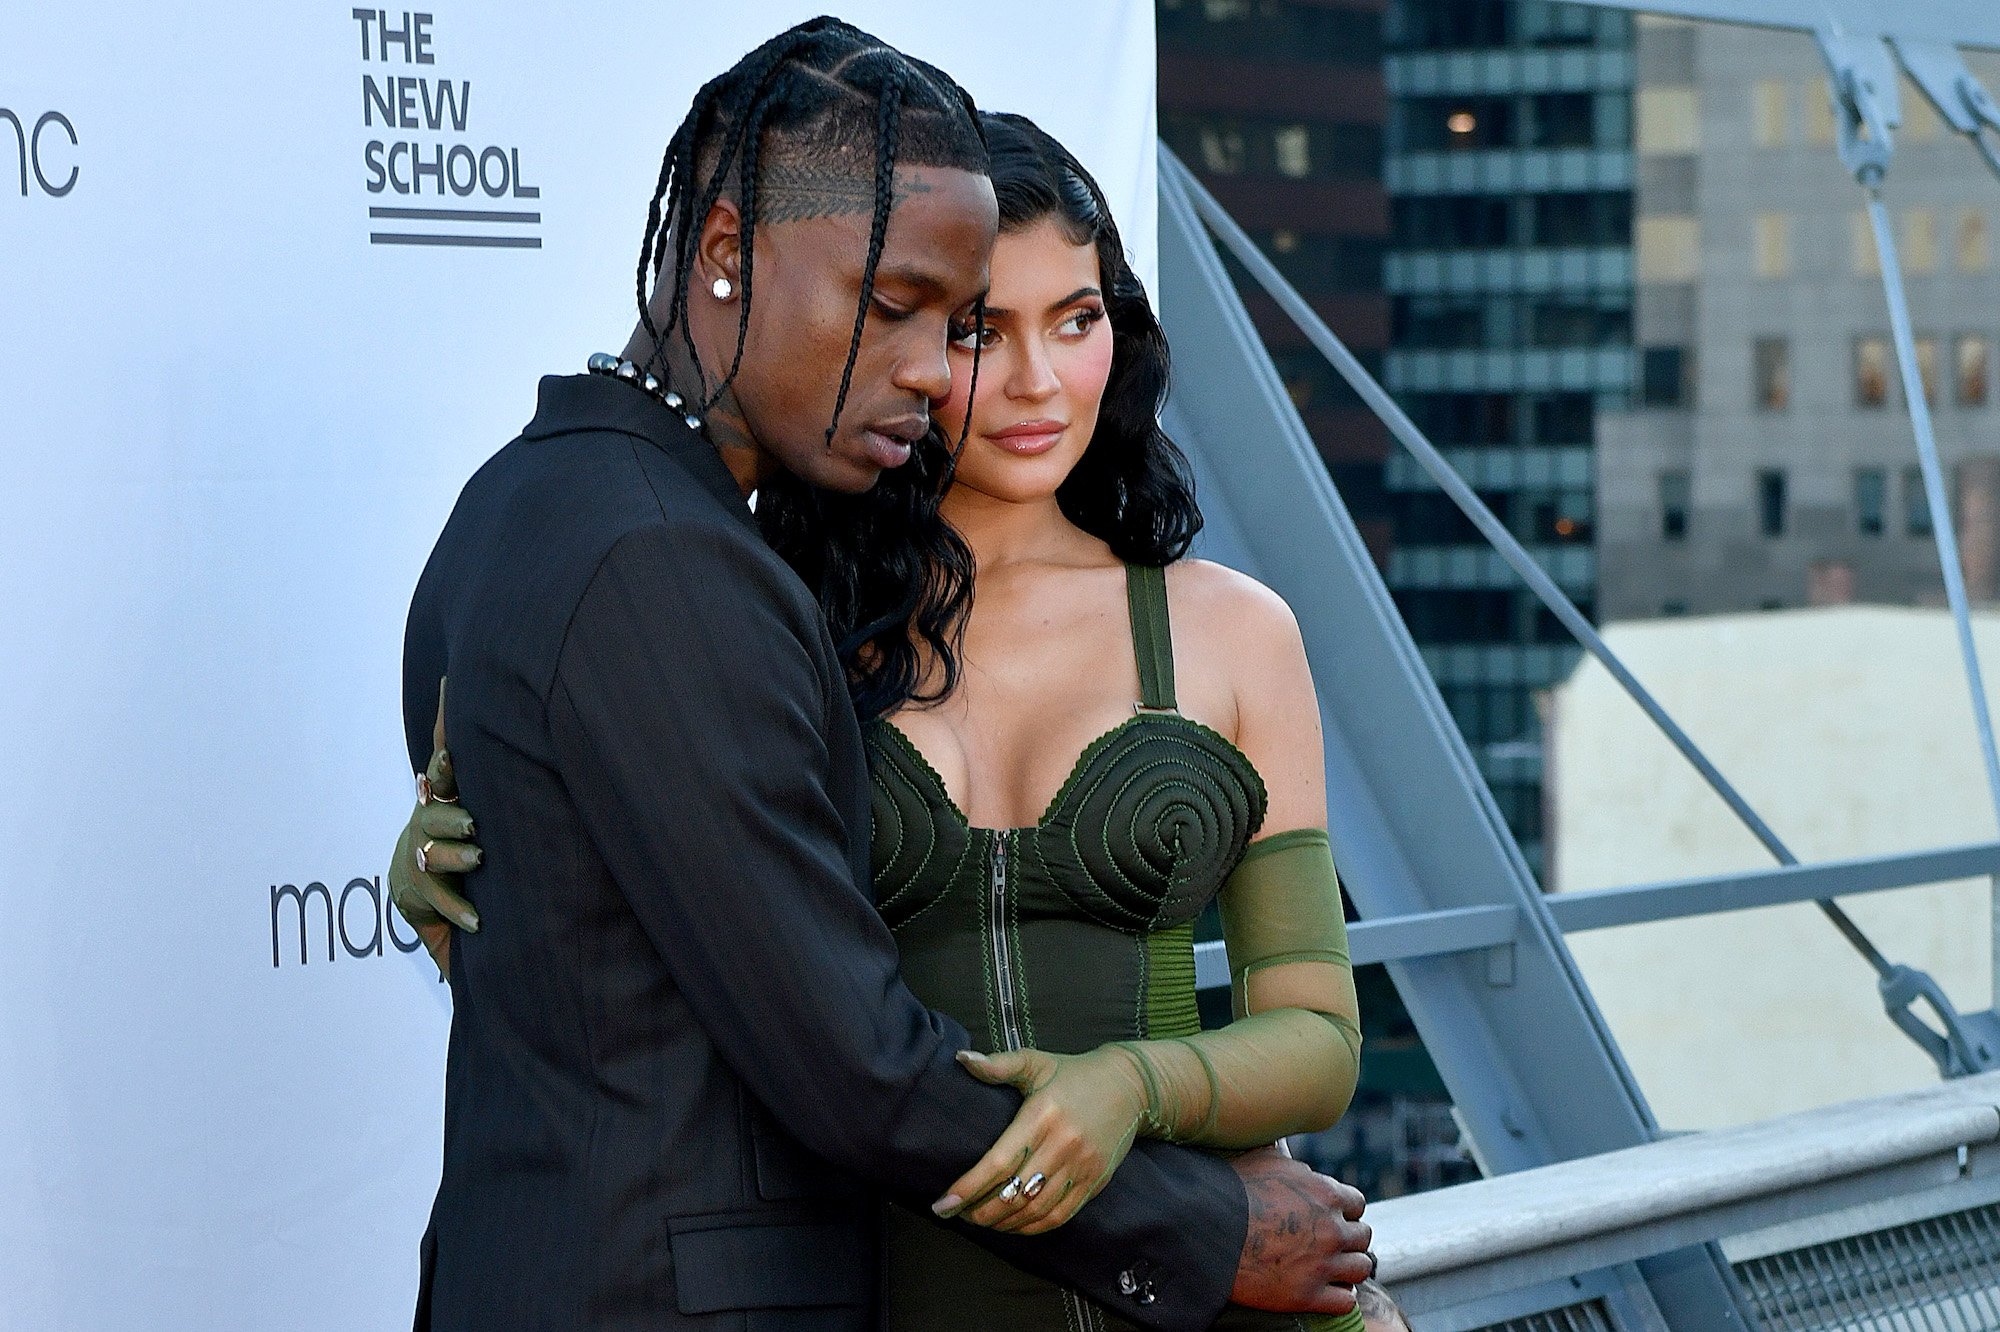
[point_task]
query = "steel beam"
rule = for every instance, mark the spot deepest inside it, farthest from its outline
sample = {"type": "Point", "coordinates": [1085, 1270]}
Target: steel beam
{"type": "Point", "coordinates": [1532, 1067]}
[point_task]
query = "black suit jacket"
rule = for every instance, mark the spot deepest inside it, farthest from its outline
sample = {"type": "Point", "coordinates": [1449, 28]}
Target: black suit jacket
{"type": "Point", "coordinates": [682, 1060]}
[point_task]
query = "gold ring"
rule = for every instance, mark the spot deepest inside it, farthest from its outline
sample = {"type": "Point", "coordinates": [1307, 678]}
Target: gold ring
{"type": "Point", "coordinates": [424, 857]}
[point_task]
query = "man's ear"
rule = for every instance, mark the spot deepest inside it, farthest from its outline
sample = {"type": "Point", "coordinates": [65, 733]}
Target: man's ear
{"type": "Point", "coordinates": [719, 253]}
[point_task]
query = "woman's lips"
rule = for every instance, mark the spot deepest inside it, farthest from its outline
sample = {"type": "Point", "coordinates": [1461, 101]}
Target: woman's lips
{"type": "Point", "coordinates": [1029, 438]}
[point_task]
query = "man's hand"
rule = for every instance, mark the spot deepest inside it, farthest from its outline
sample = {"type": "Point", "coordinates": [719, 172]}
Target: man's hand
{"type": "Point", "coordinates": [1307, 1247]}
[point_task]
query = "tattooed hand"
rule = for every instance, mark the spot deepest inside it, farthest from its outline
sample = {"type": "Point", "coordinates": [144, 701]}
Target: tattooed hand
{"type": "Point", "coordinates": [1307, 1245]}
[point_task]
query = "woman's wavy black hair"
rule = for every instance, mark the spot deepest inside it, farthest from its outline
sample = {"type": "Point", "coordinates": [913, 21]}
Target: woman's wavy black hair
{"type": "Point", "coordinates": [893, 577]}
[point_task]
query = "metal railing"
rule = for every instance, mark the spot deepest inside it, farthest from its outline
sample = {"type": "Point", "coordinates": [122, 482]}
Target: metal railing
{"type": "Point", "coordinates": [1875, 1209]}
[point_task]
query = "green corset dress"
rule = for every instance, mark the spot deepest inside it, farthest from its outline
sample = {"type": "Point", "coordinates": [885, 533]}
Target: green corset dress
{"type": "Point", "coordinates": [1062, 936]}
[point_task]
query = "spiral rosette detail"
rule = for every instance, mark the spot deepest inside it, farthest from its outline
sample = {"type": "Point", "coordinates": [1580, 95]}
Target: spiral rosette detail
{"type": "Point", "coordinates": [1150, 822]}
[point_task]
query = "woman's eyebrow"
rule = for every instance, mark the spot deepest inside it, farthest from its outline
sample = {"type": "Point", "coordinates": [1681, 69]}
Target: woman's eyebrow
{"type": "Point", "coordinates": [1001, 312]}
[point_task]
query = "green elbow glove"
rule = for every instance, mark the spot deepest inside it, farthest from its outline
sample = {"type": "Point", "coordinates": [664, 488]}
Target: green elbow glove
{"type": "Point", "coordinates": [1290, 1061]}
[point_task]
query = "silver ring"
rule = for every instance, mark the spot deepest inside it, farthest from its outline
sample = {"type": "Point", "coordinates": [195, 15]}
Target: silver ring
{"type": "Point", "coordinates": [1011, 1189]}
{"type": "Point", "coordinates": [1034, 1184]}
{"type": "Point", "coordinates": [424, 857]}
{"type": "Point", "coordinates": [1373, 1263]}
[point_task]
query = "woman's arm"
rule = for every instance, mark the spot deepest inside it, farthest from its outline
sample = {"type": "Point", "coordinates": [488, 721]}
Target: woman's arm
{"type": "Point", "coordinates": [1289, 1063]}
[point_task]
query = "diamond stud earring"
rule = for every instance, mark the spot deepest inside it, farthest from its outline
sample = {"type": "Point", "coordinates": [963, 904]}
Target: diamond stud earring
{"type": "Point", "coordinates": [722, 289]}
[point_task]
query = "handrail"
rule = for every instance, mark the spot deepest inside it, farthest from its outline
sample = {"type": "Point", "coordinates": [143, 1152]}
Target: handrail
{"type": "Point", "coordinates": [1467, 929]}
{"type": "Point", "coordinates": [1444, 1247]}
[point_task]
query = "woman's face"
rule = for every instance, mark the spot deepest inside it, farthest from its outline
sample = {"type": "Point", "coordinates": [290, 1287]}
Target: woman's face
{"type": "Point", "coordinates": [1042, 367]}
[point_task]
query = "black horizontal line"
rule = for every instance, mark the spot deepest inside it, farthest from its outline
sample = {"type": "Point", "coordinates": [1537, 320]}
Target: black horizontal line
{"type": "Point", "coordinates": [487, 242]}
{"type": "Point", "coordinates": [454, 215]}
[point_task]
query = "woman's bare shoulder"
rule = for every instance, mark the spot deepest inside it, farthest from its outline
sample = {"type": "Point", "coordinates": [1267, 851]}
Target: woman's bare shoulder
{"type": "Point", "coordinates": [1220, 605]}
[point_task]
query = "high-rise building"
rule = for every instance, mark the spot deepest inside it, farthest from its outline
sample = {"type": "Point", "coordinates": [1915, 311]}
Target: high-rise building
{"type": "Point", "coordinates": [1510, 275]}
{"type": "Point", "coordinates": [1769, 461]}
{"type": "Point", "coordinates": [1278, 107]}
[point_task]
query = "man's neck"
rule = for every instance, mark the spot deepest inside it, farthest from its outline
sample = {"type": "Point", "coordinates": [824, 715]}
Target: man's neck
{"type": "Point", "coordinates": [722, 423]}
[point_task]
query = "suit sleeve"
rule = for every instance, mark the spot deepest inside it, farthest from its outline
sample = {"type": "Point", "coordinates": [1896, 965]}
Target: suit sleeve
{"type": "Point", "coordinates": [688, 717]}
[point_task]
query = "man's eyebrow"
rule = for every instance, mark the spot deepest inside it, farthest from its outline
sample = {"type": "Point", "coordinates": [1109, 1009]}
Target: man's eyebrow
{"type": "Point", "coordinates": [909, 275]}
{"type": "Point", "coordinates": [1071, 299]}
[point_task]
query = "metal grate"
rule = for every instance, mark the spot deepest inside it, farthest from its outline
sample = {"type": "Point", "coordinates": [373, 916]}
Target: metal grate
{"type": "Point", "coordinates": [1586, 1317]}
{"type": "Point", "coordinates": [1940, 1275]}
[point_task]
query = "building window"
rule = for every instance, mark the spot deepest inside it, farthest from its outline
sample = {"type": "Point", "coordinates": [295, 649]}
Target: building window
{"type": "Point", "coordinates": [1969, 241]}
{"type": "Point", "coordinates": [1771, 502]}
{"type": "Point", "coordinates": [1916, 505]}
{"type": "Point", "coordinates": [1663, 376]}
{"type": "Point", "coordinates": [1871, 371]}
{"type": "Point", "coordinates": [1819, 114]}
{"type": "Point", "coordinates": [1676, 492]}
{"type": "Point", "coordinates": [1871, 499]}
{"type": "Point", "coordinates": [1581, 219]}
{"type": "Point", "coordinates": [1669, 248]}
{"type": "Point", "coordinates": [1771, 235]}
{"type": "Point", "coordinates": [1927, 368]}
{"type": "Point", "coordinates": [1291, 146]}
{"type": "Point", "coordinates": [1565, 418]}
{"type": "Point", "coordinates": [1449, 222]}
{"type": "Point", "coordinates": [1920, 240]}
{"type": "Point", "coordinates": [1563, 120]}
{"type": "Point", "coordinates": [1866, 259]}
{"type": "Point", "coordinates": [1669, 120]}
{"type": "Point", "coordinates": [1222, 150]}
{"type": "Point", "coordinates": [1771, 113]}
{"type": "Point", "coordinates": [1970, 353]}
{"type": "Point", "coordinates": [1771, 363]}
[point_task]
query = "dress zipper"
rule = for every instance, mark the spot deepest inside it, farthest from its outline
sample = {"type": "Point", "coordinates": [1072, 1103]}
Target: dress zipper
{"type": "Point", "coordinates": [1003, 955]}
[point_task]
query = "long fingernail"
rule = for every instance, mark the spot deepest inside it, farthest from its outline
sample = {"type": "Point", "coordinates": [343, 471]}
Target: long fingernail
{"type": "Point", "coordinates": [948, 1204]}
{"type": "Point", "coordinates": [970, 1057]}
{"type": "Point", "coordinates": [470, 924]}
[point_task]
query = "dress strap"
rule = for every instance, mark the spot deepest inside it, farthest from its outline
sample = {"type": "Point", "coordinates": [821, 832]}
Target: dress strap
{"type": "Point", "coordinates": [1152, 635]}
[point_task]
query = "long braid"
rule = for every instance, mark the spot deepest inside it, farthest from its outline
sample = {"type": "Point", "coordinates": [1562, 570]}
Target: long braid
{"type": "Point", "coordinates": [751, 139]}
{"type": "Point", "coordinates": [888, 117]}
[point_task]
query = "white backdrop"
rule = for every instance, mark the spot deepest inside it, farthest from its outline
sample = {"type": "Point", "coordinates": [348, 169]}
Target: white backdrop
{"type": "Point", "coordinates": [230, 427]}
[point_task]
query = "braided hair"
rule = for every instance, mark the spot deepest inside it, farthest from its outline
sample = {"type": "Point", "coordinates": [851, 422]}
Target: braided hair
{"type": "Point", "coordinates": [818, 95]}
{"type": "Point", "coordinates": [818, 98]}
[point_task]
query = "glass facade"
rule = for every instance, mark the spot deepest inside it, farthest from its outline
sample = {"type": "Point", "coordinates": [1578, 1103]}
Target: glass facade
{"type": "Point", "coordinates": [1510, 274]}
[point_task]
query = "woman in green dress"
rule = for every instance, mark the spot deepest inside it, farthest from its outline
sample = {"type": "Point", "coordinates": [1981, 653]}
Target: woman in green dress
{"type": "Point", "coordinates": [1071, 767]}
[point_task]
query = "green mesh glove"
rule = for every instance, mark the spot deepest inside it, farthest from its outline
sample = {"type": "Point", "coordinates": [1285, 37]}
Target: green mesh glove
{"type": "Point", "coordinates": [1075, 1127]}
{"type": "Point", "coordinates": [1289, 1062]}
{"type": "Point", "coordinates": [433, 850]}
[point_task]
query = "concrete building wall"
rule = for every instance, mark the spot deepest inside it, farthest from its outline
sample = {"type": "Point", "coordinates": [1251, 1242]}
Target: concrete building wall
{"type": "Point", "coordinates": [1755, 178]}
{"type": "Point", "coordinates": [1849, 729]}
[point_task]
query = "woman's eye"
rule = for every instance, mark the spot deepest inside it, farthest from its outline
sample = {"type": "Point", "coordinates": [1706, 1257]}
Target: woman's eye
{"type": "Point", "coordinates": [968, 337]}
{"type": "Point", "coordinates": [1080, 323]}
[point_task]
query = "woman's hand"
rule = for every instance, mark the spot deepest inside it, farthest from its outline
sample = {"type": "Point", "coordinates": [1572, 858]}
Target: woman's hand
{"type": "Point", "coordinates": [1079, 1119]}
{"type": "Point", "coordinates": [435, 848]}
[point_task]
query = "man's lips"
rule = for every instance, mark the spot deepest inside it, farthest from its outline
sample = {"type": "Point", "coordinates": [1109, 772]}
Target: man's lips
{"type": "Point", "coordinates": [888, 443]}
{"type": "Point", "coordinates": [1029, 438]}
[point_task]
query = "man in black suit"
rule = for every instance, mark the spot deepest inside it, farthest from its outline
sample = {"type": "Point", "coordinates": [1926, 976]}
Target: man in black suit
{"type": "Point", "coordinates": [682, 1062]}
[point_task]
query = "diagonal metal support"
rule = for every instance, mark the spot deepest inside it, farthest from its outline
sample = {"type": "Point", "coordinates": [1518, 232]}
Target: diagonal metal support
{"type": "Point", "coordinates": [1862, 84]}
{"type": "Point", "coordinates": [1938, 69]}
{"type": "Point", "coordinates": [1899, 986]}
{"type": "Point", "coordinates": [1534, 1073]}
